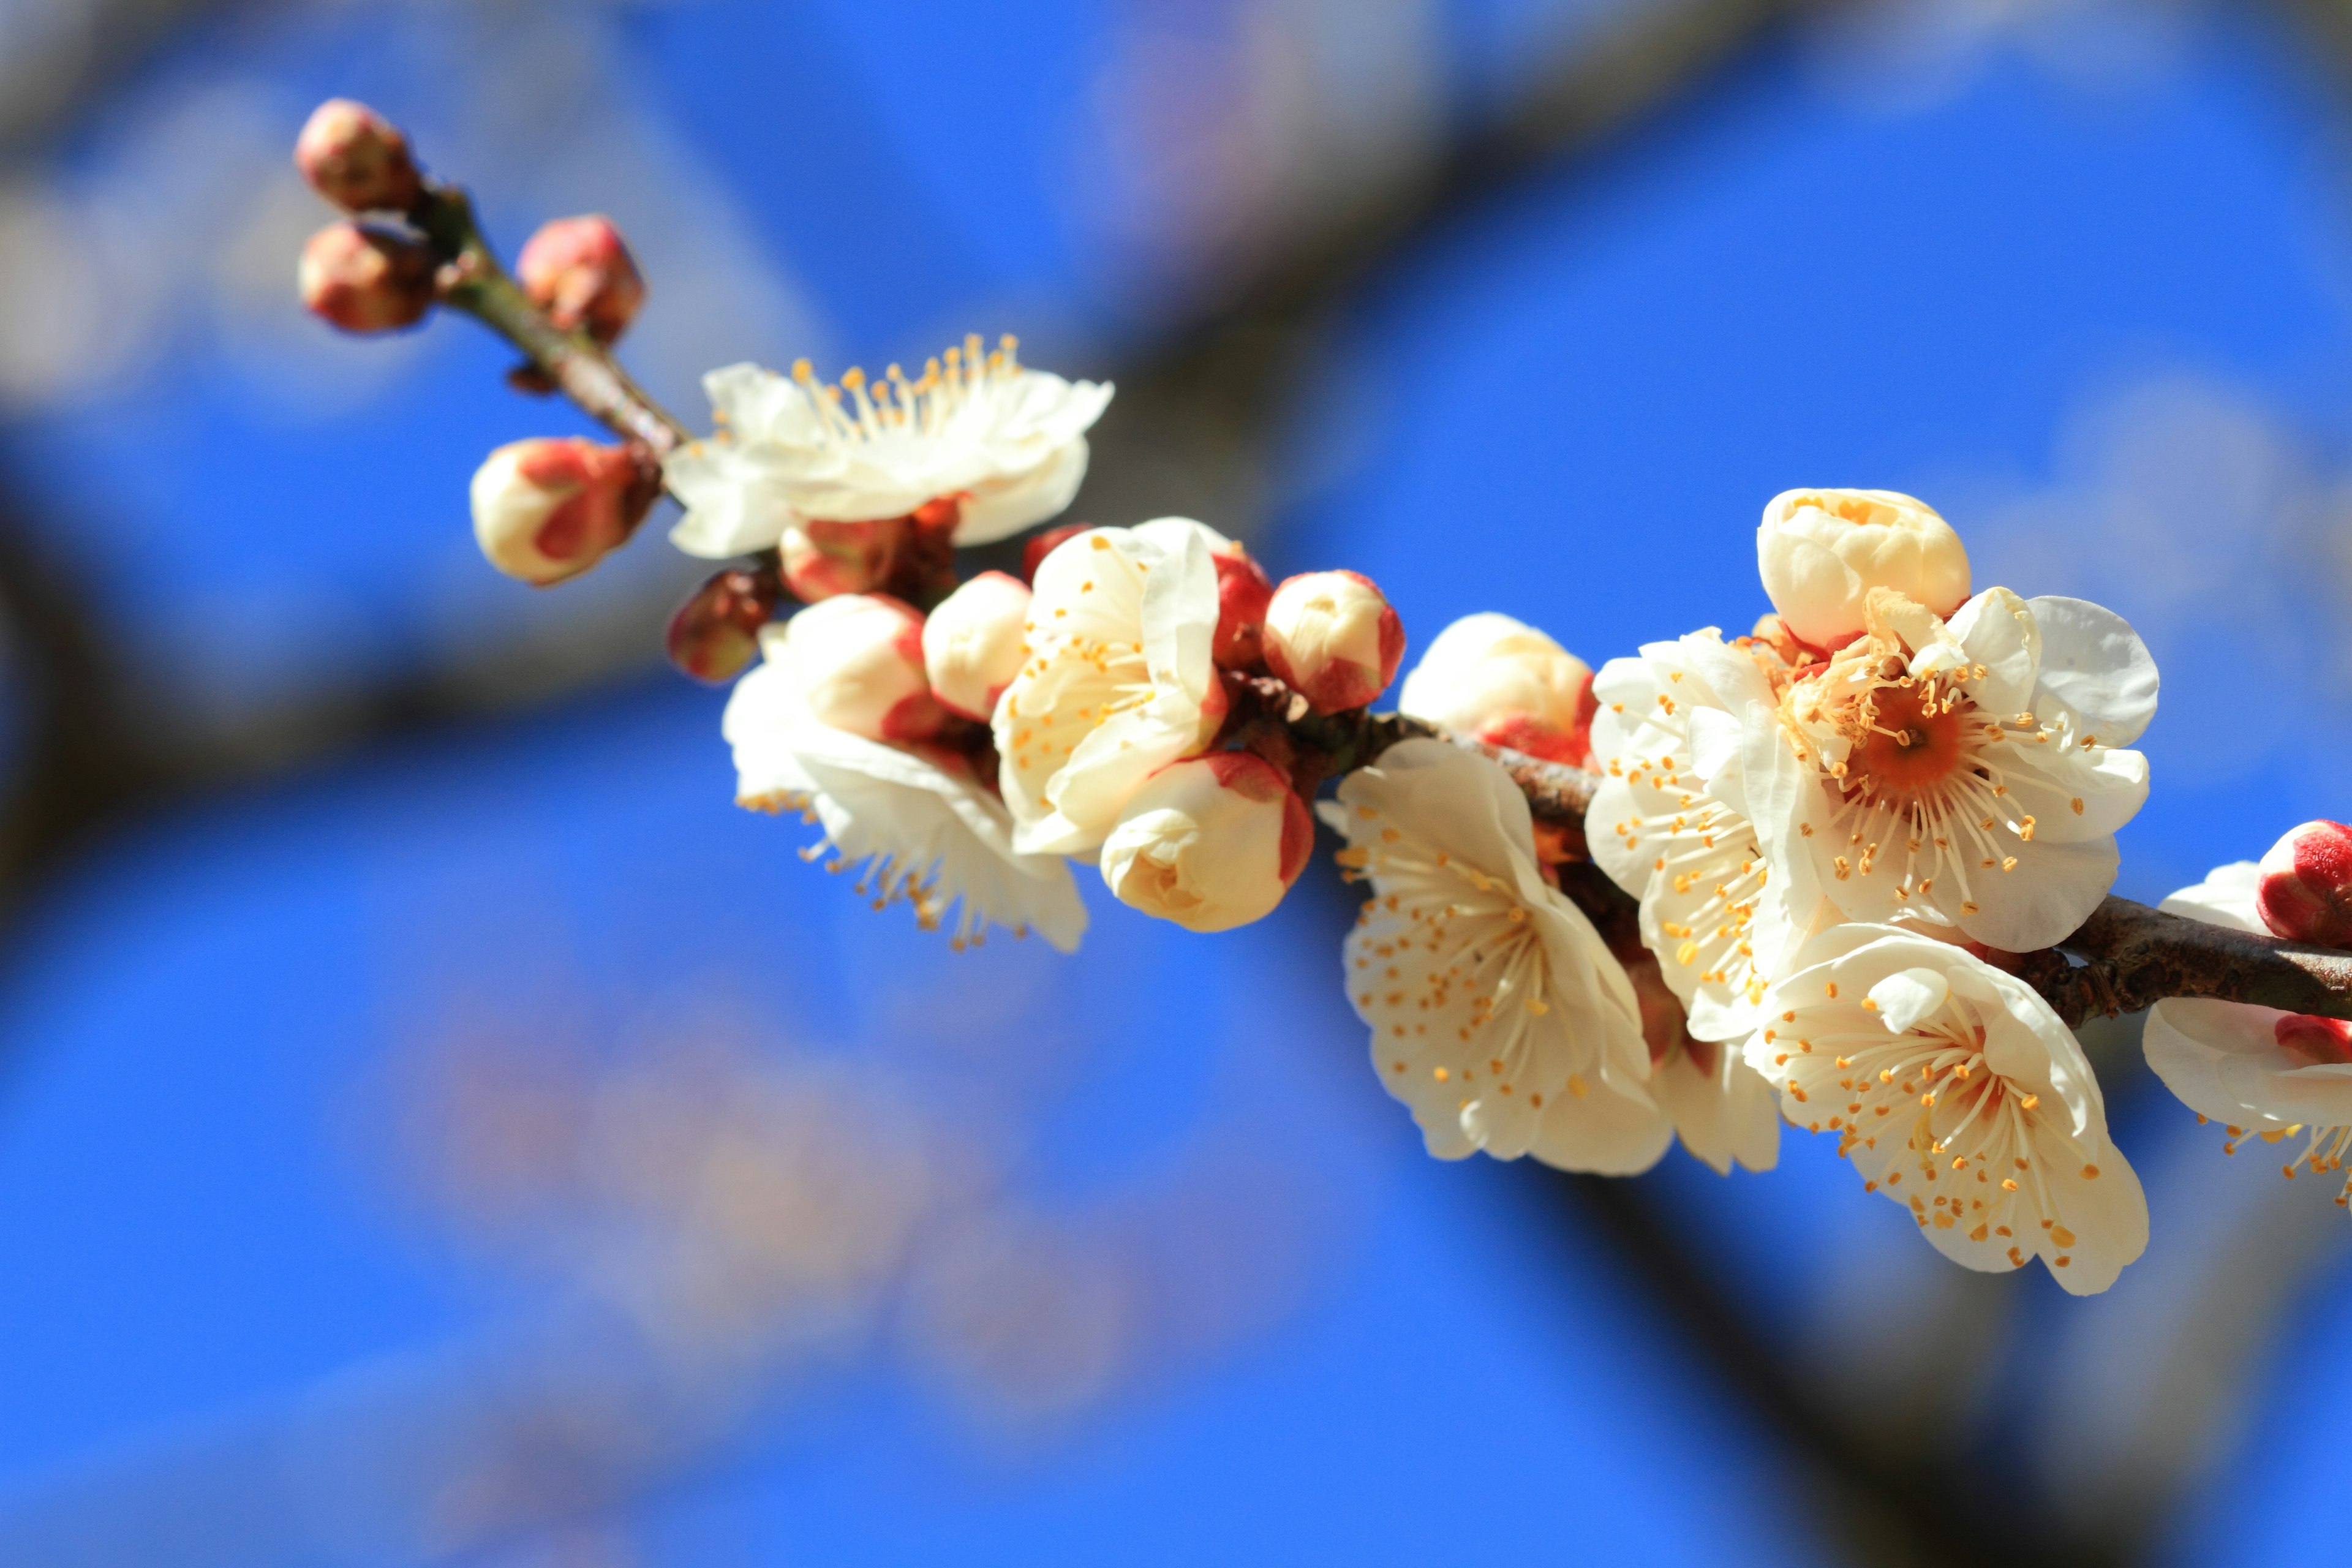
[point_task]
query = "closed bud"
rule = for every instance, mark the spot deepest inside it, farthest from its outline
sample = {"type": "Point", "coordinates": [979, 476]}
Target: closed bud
{"type": "Point", "coordinates": [549, 509]}
{"type": "Point", "coordinates": [1821, 552]}
{"type": "Point", "coordinates": [716, 633]}
{"type": "Point", "coordinates": [1332, 637]}
{"type": "Point", "coordinates": [2305, 892]}
{"type": "Point", "coordinates": [973, 644]}
{"type": "Point", "coordinates": [366, 279]}
{"type": "Point", "coordinates": [822, 559]}
{"type": "Point", "coordinates": [1242, 594]}
{"type": "Point", "coordinates": [579, 270]}
{"type": "Point", "coordinates": [356, 158]}
{"type": "Point", "coordinates": [859, 661]}
{"type": "Point", "coordinates": [1490, 677]}
{"type": "Point", "coordinates": [1039, 546]}
{"type": "Point", "coordinates": [1211, 842]}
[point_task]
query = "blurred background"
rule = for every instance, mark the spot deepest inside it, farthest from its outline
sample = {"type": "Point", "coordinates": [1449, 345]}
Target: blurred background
{"type": "Point", "coordinates": [438, 1127]}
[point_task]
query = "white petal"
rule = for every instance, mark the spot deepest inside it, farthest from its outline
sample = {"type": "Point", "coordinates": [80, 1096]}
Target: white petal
{"type": "Point", "coordinates": [2093, 662]}
{"type": "Point", "coordinates": [2226, 897]}
{"type": "Point", "coordinates": [1997, 629]}
{"type": "Point", "coordinates": [1908, 995]}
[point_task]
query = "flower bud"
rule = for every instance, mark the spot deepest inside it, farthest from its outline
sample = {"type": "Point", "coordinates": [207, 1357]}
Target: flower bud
{"type": "Point", "coordinates": [860, 658]}
{"type": "Point", "coordinates": [1211, 842]}
{"type": "Point", "coordinates": [1039, 546]}
{"type": "Point", "coordinates": [716, 633]}
{"type": "Point", "coordinates": [545, 509]}
{"type": "Point", "coordinates": [1242, 594]}
{"type": "Point", "coordinates": [579, 270]}
{"type": "Point", "coordinates": [357, 159]}
{"type": "Point", "coordinates": [1332, 637]}
{"type": "Point", "coordinates": [1822, 553]}
{"type": "Point", "coordinates": [1490, 677]}
{"type": "Point", "coordinates": [822, 559]}
{"type": "Point", "coordinates": [973, 643]}
{"type": "Point", "coordinates": [366, 279]}
{"type": "Point", "coordinates": [2306, 893]}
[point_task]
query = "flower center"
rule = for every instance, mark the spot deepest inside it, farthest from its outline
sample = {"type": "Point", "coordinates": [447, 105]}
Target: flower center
{"type": "Point", "coordinates": [1911, 740]}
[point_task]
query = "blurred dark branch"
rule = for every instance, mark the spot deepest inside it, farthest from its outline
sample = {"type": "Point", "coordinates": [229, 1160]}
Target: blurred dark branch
{"type": "Point", "coordinates": [72, 51]}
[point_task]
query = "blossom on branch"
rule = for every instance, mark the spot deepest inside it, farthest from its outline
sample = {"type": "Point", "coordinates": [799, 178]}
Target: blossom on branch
{"type": "Point", "coordinates": [1503, 682]}
{"type": "Point", "coordinates": [1821, 552]}
{"type": "Point", "coordinates": [919, 820]}
{"type": "Point", "coordinates": [549, 509]}
{"type": "Point", "coordinates": [974, 643]}
{"type": "Point", "coordinates": [857, 665]}
{"type": "Point", "coordinates": [1959, 1094]}
{"type": "Point", "coordinates": [1332, 637]}
{"type": "Point", "coordinates": [2258, 1072]}
{"type": "Point", "coordinates": [1497, 1013]}
{"type": "Point", "coordinates": [1005, 444]}
{"type": "Point", "coordinates": [1119, 681]}
{"type": "Point", "coordinates": [1211, 842]}
{"type": "Point", "coordinates": [1968, 773]}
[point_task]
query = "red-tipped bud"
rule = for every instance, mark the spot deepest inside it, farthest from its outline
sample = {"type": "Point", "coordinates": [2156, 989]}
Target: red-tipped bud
{"type": "Point", "coordinates": [1507, 683]}
{"type": "Point", "coordinates": [547, 509]}
{"type": "Point", "coordinates": [357, 159]}
{"type": "Point", "coordinates": [1041, 545]}
{"type": "Point", "coordinates": [1242, 594]}
{"type": "Point", "coordinates": [716, 633]}
{"type": "Point", "coordinates": [1332, 637]}
{"type": "Point", "coordinates": [2306, 893]}
{"type": "Point", "coordinates": [974, 643]}
{"type": "Point", "coordinates": [1210, 844]}
{"type": "Point", "coordinates": [822, 559]}
{"type": "Point", "coordinates": [859, 657]}
{"type": "Point", "coordinates": [579, 270]}
{"type": "Point", "coordinates": [366, 279]}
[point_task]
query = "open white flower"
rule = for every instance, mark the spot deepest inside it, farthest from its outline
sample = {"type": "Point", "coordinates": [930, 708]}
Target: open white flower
{"type": "Point", "coordinates": [1967, 774]}
{"type": "Point", "coordinates": [1119, 681]}
{"type": "Point", "coordinates": [1498, 1014]}
{"type": "Point", "coordinates": [2256, 1070]}
{"type": "Point", "coordinates": [1670, 825]}
{"type": "Point", "coordinates": [1006, 443]}
{"type": "Point", "coordinates": [1958, 1093]}
{"type": "Point", "coordinates": [921, 823]}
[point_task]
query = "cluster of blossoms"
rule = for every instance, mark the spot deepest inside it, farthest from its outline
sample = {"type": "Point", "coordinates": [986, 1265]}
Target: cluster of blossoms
{"type": "Point", "coordinates": [1815, 858]}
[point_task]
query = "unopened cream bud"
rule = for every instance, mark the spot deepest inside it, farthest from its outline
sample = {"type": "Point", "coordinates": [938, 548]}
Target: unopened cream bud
{"type": "Point", "coordinates": [1490, 677]}
{"type": "Point", "coordinates": [1211, 842]}
{"type": "Point", "coordinates": [1242, 594]}
{"type": "Point", "coordinates": [822, 559]}
{"type": "Point", "coordinates": [1041, 545]}
{"type": "Point", "coordinates": [549, 509]}
{"type": "Point", "coordinates": [973, 644]}
{"type": "Point", "coordinates": [366, 279]}
{"type": "Point", "coordinates": [579, 270]}
{"type": "Point", "coordinates": [2305, 892]}
{"type": "Point", "coordinates": [716, 633]}
{"type": "Point", "coordinates": [1332, 637]}
{"type": "Point", "coordinates": [1821, 552]}
{"type": "Point", "coordinates": [859, 659]}
{"type": "Point", "coordinates": [357, 159]}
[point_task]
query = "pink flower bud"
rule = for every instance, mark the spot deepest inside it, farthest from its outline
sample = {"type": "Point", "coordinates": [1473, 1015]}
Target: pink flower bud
{"type": "Point", "coordinates": [973, 644]}
{"type": "Point", "coordinates": [356, 158]}
{"type": "Point", "coordinates": [2307, 887]}
{"type": "Point", "coordinates": [546, 508]}
{"type": "Point", "coordinates": [1505, 683]}
{"type": "Point", "coordinates": [1033, 552]}
{"type": "Point", "coordinates": [1332, 637]}
{"type": "Point", "coordinates": [579, 270]}
{"type": "Point", "coordinates": [822, 559]}
{"type": "Point", "coordinates": [1211, 842]}
{"type": "Point", "coordinates": [717, 632]}
{"type": "Point", "coordinates": [2314, 1042]}
{"type": "Point", "coordinates": [859, 661]}
{"type": "Point", "coordinates": [366, 279]}
{"type": "Point", "coordinates": [1242, 594]}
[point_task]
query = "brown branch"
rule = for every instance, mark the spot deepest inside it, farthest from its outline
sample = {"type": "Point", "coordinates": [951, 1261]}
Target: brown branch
{"type": "Point", "coordinates": [2136, 956]}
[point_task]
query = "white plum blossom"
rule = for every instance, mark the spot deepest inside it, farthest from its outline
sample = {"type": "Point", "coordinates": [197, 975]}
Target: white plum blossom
{"type": "Point", "coordinates": [1958, 1093]}
{"type": "Point", "coordinates": [1969, 773]}
{"type": "Point", "coordinates": [857, 661]}
{"type": "Point", "coordinates": [1210, 844]}
{"type": "Point", "coordinates": [1006, 443]}
{"type": "Point", "coordinates": [1673, 737]}
{"type": "Point", "coordinates": [1820, 551]}
{"type": "Point", "coordinates": [1119, 682]}
{"type": "Point", "coordinates": [2258, 1072]}
{"type": "Point", "coordinates": [1333, 638]}
{"type": "Point", "coordinates": [1497, 1013]}
{"type": "Point", "coordinates": [1505, 683]}
{"type": "Point", "coordinates": [923, 825]}
{"type": "Point", "coordinates": [974, 643]}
